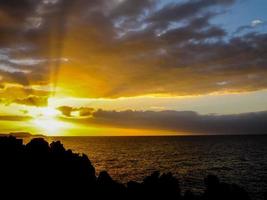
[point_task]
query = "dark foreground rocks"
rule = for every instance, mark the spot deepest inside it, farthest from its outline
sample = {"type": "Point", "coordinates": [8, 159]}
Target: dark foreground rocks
{"type": "Point", "coordinates": [38, 170]}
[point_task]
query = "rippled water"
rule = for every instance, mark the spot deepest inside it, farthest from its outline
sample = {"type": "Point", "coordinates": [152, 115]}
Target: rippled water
{"type": "Point", "coordinates": [235, 159]}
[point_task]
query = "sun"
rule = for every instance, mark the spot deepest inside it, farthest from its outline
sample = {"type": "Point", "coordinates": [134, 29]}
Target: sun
{"type": "Point", "coordinates": [50, 127]}
{"type": "Point", "coordinates": [46, 121]}
{"type": "Point", "coordinates": [45, 112]}
{"type": "Point", "coordinates": [49, 112]}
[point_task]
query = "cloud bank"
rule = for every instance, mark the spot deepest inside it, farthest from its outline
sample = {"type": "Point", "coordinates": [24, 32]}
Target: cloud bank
{"type": "Point", "coordinates": [178, 121]}
{"type": "Point", "coordinates": [128, 48]}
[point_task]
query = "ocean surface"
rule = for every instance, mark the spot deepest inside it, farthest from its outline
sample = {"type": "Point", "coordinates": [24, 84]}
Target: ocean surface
{"type": "Point", "coordinates": [235, 159]}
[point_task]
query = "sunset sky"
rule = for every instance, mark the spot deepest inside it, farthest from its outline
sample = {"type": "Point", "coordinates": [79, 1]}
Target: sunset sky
{"type": "Point", "coordinates": [133, 67]}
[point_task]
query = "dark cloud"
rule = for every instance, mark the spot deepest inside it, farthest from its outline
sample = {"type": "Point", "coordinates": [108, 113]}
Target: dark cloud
{"type": "Point", "coordinates": [182, 121]}
{"type": "Point", "coordinates": [18, 94]}
{"type": "Point", "coordinates": [83, 111]}
{"type": "Point", "coordinates": [17, 8]}
{"type": "Point", "coordinates": [129, 8]}
{"type": "Point", "coordinates": [128, 48]}
{"type": "Point", "coordinates": [15, 77]}
{"type": "Point", "coordinates": [39, 27]}
{"type": "Point", "coordinates": [65, 110]}
{"type": "Point", "coordinates": [189, 9]}
{"type": "Point", "coordinates": [14, 118]}
{"type": "Point", "coordinates": [32, 101]}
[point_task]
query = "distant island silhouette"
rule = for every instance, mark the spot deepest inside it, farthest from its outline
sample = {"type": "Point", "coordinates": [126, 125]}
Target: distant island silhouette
{"type": "Point", "coordinates": [21, 134]}
{"type": "Point", "coordinates": [41, 170]}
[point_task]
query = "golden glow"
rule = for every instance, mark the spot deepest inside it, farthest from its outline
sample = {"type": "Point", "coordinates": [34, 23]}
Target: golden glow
{"type": "Point", "coordinates": [117, 67]}
{"type": "Point", "coordinates": [49, 112]}
{"type": "Point", "coordinates": [46, 112]}
{"type": "Point", "coordinates": [46, 121]}
{"type": "Point", "coordinates": [50, 126]}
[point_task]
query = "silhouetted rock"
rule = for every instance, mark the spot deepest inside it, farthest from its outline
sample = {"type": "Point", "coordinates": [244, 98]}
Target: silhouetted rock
{"type": "Point", "coordinates": [38, 170]}
{"type": "Point", "coordinates": [188, 195]}
{"type": "Point", "coordinates": [38, 146]}
{"type": "Point", "coordinates": [163, 186]}
{"type": "Point", "coordinates": [107, 187]}
{"type": "Point", "coordinates": [57, 148]}
{"type": "Point", "coordinates": [221, 191]}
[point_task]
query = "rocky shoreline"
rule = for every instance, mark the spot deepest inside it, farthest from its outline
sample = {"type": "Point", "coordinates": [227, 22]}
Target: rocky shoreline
{"type": "Point", "coordinates": [42, 170]}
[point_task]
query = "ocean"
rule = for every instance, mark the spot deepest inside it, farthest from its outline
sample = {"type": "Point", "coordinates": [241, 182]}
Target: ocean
{"type": "Point", "coordinates": [234, 159]}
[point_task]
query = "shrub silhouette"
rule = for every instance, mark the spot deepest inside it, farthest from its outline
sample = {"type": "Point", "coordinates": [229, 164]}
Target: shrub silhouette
{"type": "Point", "coordinates": [38, 170]}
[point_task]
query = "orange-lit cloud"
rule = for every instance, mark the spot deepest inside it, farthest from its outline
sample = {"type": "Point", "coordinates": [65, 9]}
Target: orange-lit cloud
{"type": "Point", "coordinates": [116, 54]}
{"type": "Point", "coordinates": [32, 101]}
{"type": "Point", "coordinates": [127, 48]}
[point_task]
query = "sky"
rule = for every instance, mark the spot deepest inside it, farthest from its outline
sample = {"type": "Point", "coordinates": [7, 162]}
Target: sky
{"type": "Point", "coordinates": [133, 67]}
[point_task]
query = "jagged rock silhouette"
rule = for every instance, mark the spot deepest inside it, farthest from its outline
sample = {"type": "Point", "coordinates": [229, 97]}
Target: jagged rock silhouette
{"type": "Point", "coordinates": [39, 170]}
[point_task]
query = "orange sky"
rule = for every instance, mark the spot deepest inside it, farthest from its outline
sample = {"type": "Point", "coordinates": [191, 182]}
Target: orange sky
{"type": "Point", "coordinates": [124, 68]}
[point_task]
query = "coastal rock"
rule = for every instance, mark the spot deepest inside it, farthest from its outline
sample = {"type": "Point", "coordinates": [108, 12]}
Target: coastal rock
{"type": "Point", "coordinates": [39, 170]}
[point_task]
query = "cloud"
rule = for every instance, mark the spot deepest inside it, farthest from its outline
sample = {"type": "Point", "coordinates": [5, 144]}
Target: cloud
{"type": "Point", "coordinates": [32, 25]}
{"type": "Point", "coordinates": [14, 118]}
{"type": "Point", "coordinates": [29, 95]}
{"type": "Point", "coordinates": [189, 9]}
{"type": "Point", "coordinates": [181, 121]}
{"type": "Point", "coordinates": [65, 110]}
{"type": "Point", "coordinates": [128, 48]}
{"type": "Point", "coordinates": [129, 8]}
{"type": "Point", "coordinates": [254, 24]}
{"type": "Point", "coordinates": [31, 100]}
{"type": "Point", "coordinates": [83, 111]}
